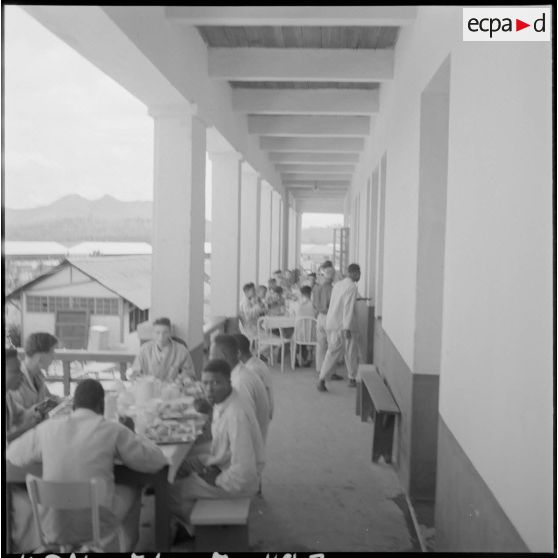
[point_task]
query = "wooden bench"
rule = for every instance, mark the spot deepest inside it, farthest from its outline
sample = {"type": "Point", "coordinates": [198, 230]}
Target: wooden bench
{"type": "Point", "coordinates": [221, 525]}
{"type": "Point", "coordinates": [375, 400]}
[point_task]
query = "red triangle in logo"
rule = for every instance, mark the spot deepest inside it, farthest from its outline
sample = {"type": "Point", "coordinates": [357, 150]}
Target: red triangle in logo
{"type": "Point", "coordinates": [519, 25]}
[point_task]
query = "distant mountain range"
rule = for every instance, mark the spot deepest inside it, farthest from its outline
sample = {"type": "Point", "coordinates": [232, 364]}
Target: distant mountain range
{"type": "Point", "coordinates": [74, 219]}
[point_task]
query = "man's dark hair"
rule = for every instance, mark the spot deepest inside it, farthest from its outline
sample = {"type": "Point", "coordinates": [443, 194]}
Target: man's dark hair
{"type": "Point", "coordinates": [247, 287]}
{"type": "Point", "coordinates": [39, 343]}
{"type": "Point", "coordinates": [218, 365]}
{"type": "Point", "coordinates": [90, 394]}
{"type": "Point", "coordinates": [327, 264]}
{"type": "Point", "coordinates": [278, 290]}
{"type": "Point", "coordinates": [227, 344]}
{"type": "Point", "coordinates": [306, 291]}
{"type": "Point", "coordinates": [243, 343]}
{"type": "Point", "coordinates": [353, 268]}
{"type": "Point", "coordinates": [163, 322]}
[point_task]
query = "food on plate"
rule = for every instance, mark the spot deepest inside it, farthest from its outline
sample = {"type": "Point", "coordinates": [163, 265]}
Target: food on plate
{"type": "Point", "coordinates": [172, 432]}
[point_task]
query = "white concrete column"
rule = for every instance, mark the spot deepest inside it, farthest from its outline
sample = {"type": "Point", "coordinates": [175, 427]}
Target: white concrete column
{"type": "Point", "coordinates": [178, 220]}
{"type": "Point", "coordinates": [275, 231]}
{"type": "Point", "coordinates": [249, 226]}
{"type": "Point", "coordinates": [285, 231]}
{"type": "Point", "coordinates": [292, 238]}
{"type": "Point", "coordinates": [225, 233]}
{"type": "Point", "coordinates": [297, 235]}
{"type": "Point", "coordinates": [265, 233]}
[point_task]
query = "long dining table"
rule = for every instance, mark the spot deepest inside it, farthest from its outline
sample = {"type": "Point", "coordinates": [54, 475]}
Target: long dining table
{"type": "Point", "coordinates": [160, 481]}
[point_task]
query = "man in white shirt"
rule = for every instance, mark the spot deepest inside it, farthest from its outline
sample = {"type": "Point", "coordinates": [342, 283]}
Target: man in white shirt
{"type": "Point", "coordinates": [232, 467]}
{"type": "Point", "coordinates": [340, 328]}
{"type": "Point", "coordinates": [80, 447]}
{"type": "Point", "coordinates": [245, 381]}
{"type": "Point", "coordinates": [163, 357]}
{"type": "Point", "coordinates": [256, 365]}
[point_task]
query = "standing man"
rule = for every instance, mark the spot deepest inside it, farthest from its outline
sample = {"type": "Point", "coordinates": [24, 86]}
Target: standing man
{"type": "Point", "coordinates": [321, 298]}
{"type": "Point", "coordinates": [338, 326]}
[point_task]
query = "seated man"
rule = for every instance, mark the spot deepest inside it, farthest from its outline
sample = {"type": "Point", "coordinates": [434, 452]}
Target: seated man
{"type": "Point", "coordinates": [232, 467]}
{"type": "Point", "coordinates": [257, 365]}
{"type": "Point", "coordinates": [250, 310]}
{"type": "Point", "coordinates": [30, 401]}
{"type": "Point", "coordinates": [276, 302]}
{"type": "Point", "coordinates": [12, 381]}
{"type": "Point", "coordinates": [246, 382]}
{"type": "Point", "coordinates": [80, 447]}
{"type": "Point", "coordinates": [163, 358]}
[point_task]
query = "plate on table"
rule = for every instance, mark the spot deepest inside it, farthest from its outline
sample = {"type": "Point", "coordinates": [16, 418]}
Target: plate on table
{"type": "Point", "coordinates": [172, 432]}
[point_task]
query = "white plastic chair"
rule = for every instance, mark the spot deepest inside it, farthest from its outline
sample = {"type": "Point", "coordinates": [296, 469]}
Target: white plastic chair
{"type": "Point", "coordinates": [71, 496]}
{"type": "Point", "coordinates": [267, 339]}
{"type": "Point", "coordinates": [304, 334]}
{"type": "Point", "coordinates": [252, 338]}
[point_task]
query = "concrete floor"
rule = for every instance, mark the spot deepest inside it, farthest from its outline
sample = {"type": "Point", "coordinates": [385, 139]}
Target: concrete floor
{"type": "Point", "coordinates": [321, 492]}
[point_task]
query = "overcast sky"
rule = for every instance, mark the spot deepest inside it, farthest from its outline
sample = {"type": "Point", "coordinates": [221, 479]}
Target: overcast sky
{"type": "Point", "coordinates": [71, 129]}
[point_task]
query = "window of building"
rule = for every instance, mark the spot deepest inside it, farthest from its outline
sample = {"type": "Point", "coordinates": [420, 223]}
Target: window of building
{"type": "Point", "coordinates": [37, 303]}
{"type": "Point", "coordinates": [105, 306]}
{"type": "Point", "coordinates": [137, 316]}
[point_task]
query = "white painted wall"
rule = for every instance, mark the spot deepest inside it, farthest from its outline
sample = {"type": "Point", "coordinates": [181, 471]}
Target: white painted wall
{"type": "Point", "coordinates": [496, 369]}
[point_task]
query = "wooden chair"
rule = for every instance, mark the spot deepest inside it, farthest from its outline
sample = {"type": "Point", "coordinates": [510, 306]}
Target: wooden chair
{"type": "Point", "coordinates": [267, 339]}
{"type": "Point", "coordinates": [71, 496]}
{"type": "Point", "coordinates": [304, 334]}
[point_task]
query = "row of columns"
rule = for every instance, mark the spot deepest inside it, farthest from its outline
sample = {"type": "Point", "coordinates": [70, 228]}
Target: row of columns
{"type": "Point", "coordinates": [251, 233]}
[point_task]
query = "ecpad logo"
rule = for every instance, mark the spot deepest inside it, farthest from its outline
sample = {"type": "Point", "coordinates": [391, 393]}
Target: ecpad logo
{"type": "Point", "coordinates": [506, 24]}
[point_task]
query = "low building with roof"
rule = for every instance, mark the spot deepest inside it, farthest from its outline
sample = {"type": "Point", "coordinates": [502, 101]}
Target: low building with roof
{"type": "Point", "coordinates": [69, 299]}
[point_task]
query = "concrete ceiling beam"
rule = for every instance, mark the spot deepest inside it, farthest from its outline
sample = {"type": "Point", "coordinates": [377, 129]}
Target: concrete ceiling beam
{"type": "Point", "coordinates": [313, 168]}
{"type": "Point", "coordinates": [301, 64]}
{"type": "Point", "coordinates": [323, 158]}
{"type": "Point", "coordinates": [293, 15]}
{"type": "Point", "coordinates": [341, 126]}
{"type": "Point", "coordinates": [294, 177]}
{"type": "Point", "coordinates": [306, 101]}
{"type": "Point", "coordinates": [312, 144]}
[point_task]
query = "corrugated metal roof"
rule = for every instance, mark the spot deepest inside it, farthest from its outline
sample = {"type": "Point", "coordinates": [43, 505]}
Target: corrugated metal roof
{"type": "Point", "coordinates": [127, 276]}
{"type": "Point", "coordinates": [33, 248]}
{"type": "Point", "coordinates": [110, 248]}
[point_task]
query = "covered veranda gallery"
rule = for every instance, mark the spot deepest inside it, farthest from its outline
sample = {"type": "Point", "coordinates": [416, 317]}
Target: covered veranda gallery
{"type": "Point", "coordinates": [437, 151]}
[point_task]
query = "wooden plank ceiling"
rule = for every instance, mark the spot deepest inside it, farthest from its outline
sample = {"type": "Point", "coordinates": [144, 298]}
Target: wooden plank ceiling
{"type": "Point", "coordinates": [312, 109]}
{"type": "Point", "coordinates": [299, 37]}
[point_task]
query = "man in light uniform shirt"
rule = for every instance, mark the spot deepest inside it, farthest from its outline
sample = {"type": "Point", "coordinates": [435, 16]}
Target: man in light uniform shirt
{"type": "Point", "coordinates": [164, 358]}
{"type": "Point", "coordinates": [245, 381]}
{"type": "Point", "coordinates": [257, 365]}
{"type": "Point", "coordinates": [80, 447]}
{"type": "Point", "coordinates": [321, 297]}
{"type": "Point", "coordinates": [339, 323]}
{"type": "Point", "coordinates": [235, 461]}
